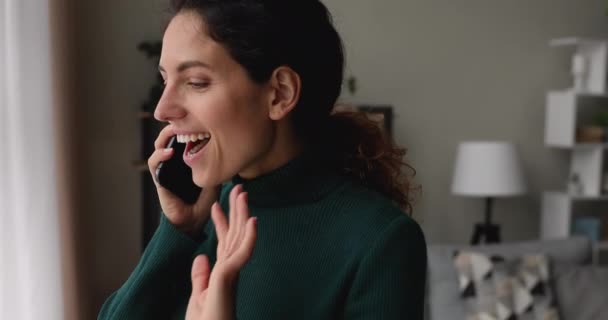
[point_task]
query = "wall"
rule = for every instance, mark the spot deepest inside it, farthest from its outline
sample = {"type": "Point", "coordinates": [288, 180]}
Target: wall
{"type": "Point", "coordinates": [114, 78]}
{"type": "Point", "coordinates": [466, 70]}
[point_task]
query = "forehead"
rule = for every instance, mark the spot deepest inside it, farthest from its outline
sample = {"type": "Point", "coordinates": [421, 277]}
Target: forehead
{"type": "Point", "coordinates": [186, 38]}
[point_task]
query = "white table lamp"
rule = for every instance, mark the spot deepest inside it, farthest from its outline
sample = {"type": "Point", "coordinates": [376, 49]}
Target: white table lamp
{"type": "Point", "coordinates": [487, 170]}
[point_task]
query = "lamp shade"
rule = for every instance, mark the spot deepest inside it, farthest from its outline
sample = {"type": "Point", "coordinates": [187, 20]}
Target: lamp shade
{"type": "Point", "coordinates": [488, 169]}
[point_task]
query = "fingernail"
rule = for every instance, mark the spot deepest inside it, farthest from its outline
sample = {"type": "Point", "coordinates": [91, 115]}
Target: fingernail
{"type": "Point", "coordinates": [168, 150]}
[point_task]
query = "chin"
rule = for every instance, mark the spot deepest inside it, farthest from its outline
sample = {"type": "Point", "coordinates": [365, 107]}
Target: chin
{"type": "Point", "coordinates": [203, 180]}
{"type": "Point", "coordinates": [200, 181]}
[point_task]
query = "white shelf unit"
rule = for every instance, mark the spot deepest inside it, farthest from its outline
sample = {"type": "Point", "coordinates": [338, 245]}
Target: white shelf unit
{"type": "Point", "coordinates": [558, 211]}
{"type": "Point", "coordinates": [565, 111]}
{"type": "Point", "coordinates": [594, 52]}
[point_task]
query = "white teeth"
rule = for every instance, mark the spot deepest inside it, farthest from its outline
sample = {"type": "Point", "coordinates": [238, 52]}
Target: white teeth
{"type": "Point", "coordinates": [185, 138]}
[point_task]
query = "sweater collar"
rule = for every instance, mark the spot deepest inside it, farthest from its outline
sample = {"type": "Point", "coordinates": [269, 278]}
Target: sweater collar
{"type": "Point", "coordinates": [303, 179]}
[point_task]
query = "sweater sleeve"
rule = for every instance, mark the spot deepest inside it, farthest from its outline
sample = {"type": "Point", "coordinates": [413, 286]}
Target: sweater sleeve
{"type": "Point", "coordinates": [390, 281]}
{"type": "Point", "coordinates": [162, 276]}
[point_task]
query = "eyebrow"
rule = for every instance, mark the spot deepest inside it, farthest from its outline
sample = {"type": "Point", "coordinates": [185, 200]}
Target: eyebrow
{"type": "Point", "coordinates": [187, 65]}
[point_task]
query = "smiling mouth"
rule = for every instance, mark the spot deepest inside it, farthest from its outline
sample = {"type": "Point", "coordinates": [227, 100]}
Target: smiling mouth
{"type": "Point", "coordinates": [194, 142]}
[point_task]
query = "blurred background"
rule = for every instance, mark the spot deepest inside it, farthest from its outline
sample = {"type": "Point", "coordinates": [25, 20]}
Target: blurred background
{"type": "Point", "coordinates": [451, 71]}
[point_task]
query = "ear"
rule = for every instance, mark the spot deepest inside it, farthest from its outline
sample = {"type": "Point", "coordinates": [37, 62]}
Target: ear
{"type": "Point", "coordinates": [286, 86]}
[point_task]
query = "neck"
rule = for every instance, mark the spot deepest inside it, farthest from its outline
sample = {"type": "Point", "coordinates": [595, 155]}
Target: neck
{"type": "Point", "coordinates": [284, 147]}
{"type": "Point", "coordinates": [304, 179]}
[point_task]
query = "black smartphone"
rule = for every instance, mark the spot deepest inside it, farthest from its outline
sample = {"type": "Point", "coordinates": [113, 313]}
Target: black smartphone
{"type": "Point", "coordinates": [176, 176]}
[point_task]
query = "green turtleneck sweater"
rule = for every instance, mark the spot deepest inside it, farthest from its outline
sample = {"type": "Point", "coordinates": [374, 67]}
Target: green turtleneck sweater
{"type": "Point", "coordinates": [326, 248]}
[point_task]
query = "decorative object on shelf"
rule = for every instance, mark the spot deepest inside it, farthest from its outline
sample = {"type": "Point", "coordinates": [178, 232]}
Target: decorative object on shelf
{"type": "Point", "coordinates": [590, 134]}
{"type": "Point", "coordinates": [351, 85]}
{"type": "Point", "coordinates": [588, 63]}
{"type": "Point", "coordinates": [575, 187]}
{"type": "Point", "coordinates": [487, 170]}
{"type": "Point", "coordinates": [597, 132]}
{"type": "Point", "coordinates": [588, 227]}
{"type": "Point", "coordinates": [579, 72]}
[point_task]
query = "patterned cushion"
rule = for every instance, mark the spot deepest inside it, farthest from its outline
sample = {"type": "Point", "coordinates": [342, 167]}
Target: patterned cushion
{"type": "Point", "coordinates": [494, 288]}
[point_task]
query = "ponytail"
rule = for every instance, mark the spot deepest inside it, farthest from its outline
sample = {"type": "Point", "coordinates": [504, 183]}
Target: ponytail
{"type": "Point", "coordinates": [361, 149]}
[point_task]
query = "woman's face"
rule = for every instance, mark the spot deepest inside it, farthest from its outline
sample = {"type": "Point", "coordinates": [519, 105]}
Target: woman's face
{"type": "Point", "coordinates": [209, 96]}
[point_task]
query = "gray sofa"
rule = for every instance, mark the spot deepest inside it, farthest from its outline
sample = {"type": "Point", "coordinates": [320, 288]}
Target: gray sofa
{"type": "Point", "coordinates": [581, 288]}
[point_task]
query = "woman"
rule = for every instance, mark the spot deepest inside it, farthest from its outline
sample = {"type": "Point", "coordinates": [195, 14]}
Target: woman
{"type": "Point", "coordinates": [253, 82]}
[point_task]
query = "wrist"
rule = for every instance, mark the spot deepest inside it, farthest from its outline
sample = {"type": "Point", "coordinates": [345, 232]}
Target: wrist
{"type": "Point", "coordinates": [221, 279]}
{"type": "Point", "coordinates": [191, 229]}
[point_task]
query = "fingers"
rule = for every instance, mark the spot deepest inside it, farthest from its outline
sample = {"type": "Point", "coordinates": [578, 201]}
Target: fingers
{"type": "Point", "coordinates": [163, 137]}
{"type": "Point", "coordinates": [233, 195]}
{"type": "Point", "coordinates": [219, 220]}
{"type": "Point", "coordinates": [246, 245]}
{"type": "Point", "coordinates": [156, 158]}
{"type": "Point", "coordinates": [236, 237]}
{"type": "Point", "coordinates": [236, 223]}
{"type": "Point", "coordinates": [241, 216]}
{"type": "Point", "coordinates": [160, 153]}
{"type": "Point", "coordinates": [246, 249]}
{"type": "Point", "coordinates": [236, 190]}
{"type": "Point", "coordinates": [200, 275]}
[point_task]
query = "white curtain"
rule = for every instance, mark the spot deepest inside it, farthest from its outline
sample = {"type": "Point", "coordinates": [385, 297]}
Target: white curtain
{"type": "Point", "coordinates": [30, 264]}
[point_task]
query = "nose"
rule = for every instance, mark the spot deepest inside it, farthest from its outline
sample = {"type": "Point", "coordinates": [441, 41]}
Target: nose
{"type": "Point", "coordinates": [169, 107]}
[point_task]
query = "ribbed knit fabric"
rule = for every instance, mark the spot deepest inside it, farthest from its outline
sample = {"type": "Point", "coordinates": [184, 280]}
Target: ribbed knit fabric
{"type": "Point", "coordinates": [326, 248]}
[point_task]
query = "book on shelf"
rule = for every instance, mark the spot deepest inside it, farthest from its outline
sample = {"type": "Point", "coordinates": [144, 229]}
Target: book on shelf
{"type": "Point", "coordinates": [587, 226]}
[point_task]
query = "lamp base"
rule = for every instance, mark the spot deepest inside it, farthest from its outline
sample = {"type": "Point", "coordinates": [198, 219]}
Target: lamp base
{"type": "Point", "coordinates": [486, 233]}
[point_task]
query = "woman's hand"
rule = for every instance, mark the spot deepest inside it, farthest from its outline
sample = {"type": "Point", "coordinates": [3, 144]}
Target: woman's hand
{"type": "Point", "coordinates": [213, 292]}
{"type": "Point", "coordinates": [187, 218]}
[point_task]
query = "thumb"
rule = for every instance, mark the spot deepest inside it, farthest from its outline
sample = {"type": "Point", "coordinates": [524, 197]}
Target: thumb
{"type": "Point", "coordinates": [200, 274]}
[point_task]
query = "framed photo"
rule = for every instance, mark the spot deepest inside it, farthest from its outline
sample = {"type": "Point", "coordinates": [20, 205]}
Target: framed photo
{"type": "Point", "coordinates": [382, 114]}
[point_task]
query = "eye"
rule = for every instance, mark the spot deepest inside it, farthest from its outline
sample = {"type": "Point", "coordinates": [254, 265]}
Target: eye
{"type": "Point", "coordinates": [198, 84]}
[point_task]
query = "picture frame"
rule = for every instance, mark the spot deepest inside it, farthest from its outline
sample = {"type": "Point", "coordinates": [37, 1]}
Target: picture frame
{"type": "Point", "coordinates": [382, 114]}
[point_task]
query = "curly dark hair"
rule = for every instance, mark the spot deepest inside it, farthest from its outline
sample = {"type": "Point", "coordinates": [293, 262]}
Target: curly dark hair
{"type": "Point", "coordinates": [364, 151]}
{"type": "Point", "coordinates": [262, 35]}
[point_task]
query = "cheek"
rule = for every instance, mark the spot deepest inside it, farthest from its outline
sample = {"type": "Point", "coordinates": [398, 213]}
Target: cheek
{"type": "Point", "coordinates": [237, 132]}
{"type": "Point", "coordinates": [245, 131]}
{"type": "Point", "coordinates": [239, 125]}
{"type": "Point", "coordinates": [239, 120]}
